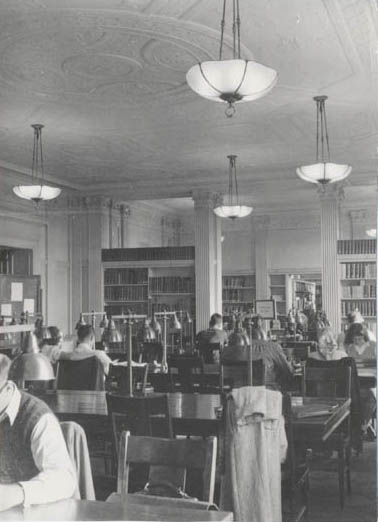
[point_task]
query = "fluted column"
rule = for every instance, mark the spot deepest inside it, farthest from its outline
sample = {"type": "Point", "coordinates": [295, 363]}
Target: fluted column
{"type": "Point", "coordinates": [262, 262]}
{"type": "Point", "coordinates": [208, 259]}
{"type": "Point", "coordinates": [330, 197]}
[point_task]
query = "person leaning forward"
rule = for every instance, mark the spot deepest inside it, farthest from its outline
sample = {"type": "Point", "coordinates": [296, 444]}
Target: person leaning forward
{"type": "Point", "coordinates": [35, 467]}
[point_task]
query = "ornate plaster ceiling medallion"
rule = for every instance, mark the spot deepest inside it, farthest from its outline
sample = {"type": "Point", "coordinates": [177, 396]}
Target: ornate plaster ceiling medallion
{"type": "Point", "coordinates": [323, 171]}
{"type": "Point", "coordinates": [231, 81]}
{"type": "Point", "coordinates": [230, 207]}
{"type": "Point", "coordinates": [37, 191]}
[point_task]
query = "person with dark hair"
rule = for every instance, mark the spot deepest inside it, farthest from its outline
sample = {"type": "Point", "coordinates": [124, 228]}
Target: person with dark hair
{"type": "Point", "coordinates": [214, 335]}
{"type": "Point", "coordinates": [35, 467]}
{"type": "Point", "coordinates": [258, 332]}
{"type": "Point", "coordinates": [52, 347]}
{"type": "Point", "coordinates": [86, 348]}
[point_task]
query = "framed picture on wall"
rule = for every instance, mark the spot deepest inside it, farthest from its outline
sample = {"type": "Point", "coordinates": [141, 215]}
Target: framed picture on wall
{"type": "Point", "coordinates": [266, 308]}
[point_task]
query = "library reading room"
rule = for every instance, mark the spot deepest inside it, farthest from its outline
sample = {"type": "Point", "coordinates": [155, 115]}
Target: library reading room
{"type": "Point", "coordinates": [188, 294]}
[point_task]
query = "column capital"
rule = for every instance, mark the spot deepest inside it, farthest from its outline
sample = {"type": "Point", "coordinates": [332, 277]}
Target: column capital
{"type": "Point", "coordinates": [204, 199]}
{"type": "Point", "coordinates": [331, 192]}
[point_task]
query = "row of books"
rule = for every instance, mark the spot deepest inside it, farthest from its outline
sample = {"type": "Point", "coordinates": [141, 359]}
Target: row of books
{"type": "Point", "coordinates": [367, 308]}
{"type": "Point", "coordinates": [117, 309]}
{"type": "Point", "coordinates": [238, 281]}
{"type": "Point", "coordinates": [233, 295]}
{"type": "Point", "coordinates": [148, 254]}
{"type": "Point", "coordinates": [356, 246]}
{"type": "Point", "coordinates": [125, 276]}
{"type": "Point", "coordinates": [359, 291]}
{"type": "Point", "coordinates": [358, 270]}
{"type": "Point", "coordinates": [181, 305]}
{"type": "Point", "coordinates": [184, 285]}
{"type": "Point", "coordinates": [126, 293]}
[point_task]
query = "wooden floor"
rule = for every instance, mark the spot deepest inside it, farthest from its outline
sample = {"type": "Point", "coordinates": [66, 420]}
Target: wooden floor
{"type": "Point", "coordinates": [361, 506]}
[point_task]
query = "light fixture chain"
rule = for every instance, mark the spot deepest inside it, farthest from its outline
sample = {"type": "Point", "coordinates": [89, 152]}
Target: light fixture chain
{"type": "Point", "coordinates": [326, 131]}
{"type": "Point", "coordinates": [322, 128]}
{"type": "Point", "coordinates": [35, 156]}
{"type": "Point", "coordinates": [222, 29]}
{"type": "Point", "coordinates": [41, 153]}
{"type": "Point", "coordinates": [236, 183]}
{"type": "Point", "coordinates": [234, 29]}
{"type": "Point", "coordinates": [230, 190]}
{"type": "Point", "coordinates": [317, 129]}
{"type": "Point", "coordinates": [238, 25]}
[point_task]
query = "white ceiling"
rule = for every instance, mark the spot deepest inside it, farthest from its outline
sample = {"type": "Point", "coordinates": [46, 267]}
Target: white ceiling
{"type": "Point", "coordinates": [107, 78]}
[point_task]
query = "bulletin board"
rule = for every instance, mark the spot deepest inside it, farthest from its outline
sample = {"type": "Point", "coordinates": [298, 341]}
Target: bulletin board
{"type": "Point", "coordinates": [19, 294]}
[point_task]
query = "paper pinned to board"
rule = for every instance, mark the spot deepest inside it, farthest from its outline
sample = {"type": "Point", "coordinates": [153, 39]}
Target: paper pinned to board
{"type": "Point", "coordinates": [29, 306]}
{"type": "Point", "coordinates": [6, 310]}
{"type": "Point", "coordinates": [17, 291]}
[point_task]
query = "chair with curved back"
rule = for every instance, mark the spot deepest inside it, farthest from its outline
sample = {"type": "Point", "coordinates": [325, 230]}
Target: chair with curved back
{"type": "Point", "coordinates": [240, 369]}
{"type": "Point", "coordinates": [83, 374]}
{"type": "Point", "coordinates": [186, 373]}
{"type": "Point", "coordinates": [119, 377]}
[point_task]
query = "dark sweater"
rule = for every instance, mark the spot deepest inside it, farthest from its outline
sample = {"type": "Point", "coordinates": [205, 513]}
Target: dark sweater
{"type": "Point", "coordinates": [16, 458]}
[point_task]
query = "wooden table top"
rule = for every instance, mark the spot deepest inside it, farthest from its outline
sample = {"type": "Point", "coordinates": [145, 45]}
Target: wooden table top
{"type": "Point", "coordinates": [132, 509]}
{"type": "Point", "coordinates": [188, 410]}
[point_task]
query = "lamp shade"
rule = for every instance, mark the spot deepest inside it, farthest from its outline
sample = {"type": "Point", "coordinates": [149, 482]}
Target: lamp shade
{"type": "Point", "coordinates": [232, 211]}
{"type": "Point", "coordinates": [30, 344]}
{"type": "Point", "coordinates": [324, 172]}
{"type": "Point", "coordinates": [31, 367]}
{"type": "Point", "coordinates": [111, 334]}
{"type": "Point", "coordinates": [36, 193]}
{"type": "Point", "coordinates": [231, 80]}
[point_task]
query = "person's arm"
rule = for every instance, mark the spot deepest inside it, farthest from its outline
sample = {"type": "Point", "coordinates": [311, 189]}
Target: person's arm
{"type": "Point", "coordinates": [105, 361]}
{"type": "Point", "coordinates": [56, 479]}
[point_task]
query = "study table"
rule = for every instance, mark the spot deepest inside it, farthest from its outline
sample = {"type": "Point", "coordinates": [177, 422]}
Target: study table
{"type": "Point", "coordinates": [194, 414]}
{"type": "Point", "coordinates": [133, 508]}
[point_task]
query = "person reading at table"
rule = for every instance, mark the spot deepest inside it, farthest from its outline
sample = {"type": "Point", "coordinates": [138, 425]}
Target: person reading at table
{"type": "Point", "coordinates": [328, 349]}
{"type": "Point", "coordinates": [214, 335]}
{"type": "Point", "coordinates": [35, 467]}
{"type": "Point", "coordinates": [86, 348]}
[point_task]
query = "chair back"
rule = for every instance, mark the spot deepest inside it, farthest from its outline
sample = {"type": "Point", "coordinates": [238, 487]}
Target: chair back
{"type": "Point", "coordinates": [151, 352]}
{"type": "Point", "coordinates": [210, 352]}
{"type": "Point", "coordinates": [299, 350]}
{"type": "Point", "coordinates": [119, 377]}
{"type": "Point", "coordinates": [240, 369]}
{"type": "Point", "coordinates": [169, 460]}
{"type": "Point", "coordinates": [189, 372]}
{"type": "Point", "coordinates": [83, 374]}
{"type": "Point", "coordinates": [139, 415]}
{"type": "Point", "coordinates": [327, 381]}
{"type": "Point", "coordinates": [77, 447]}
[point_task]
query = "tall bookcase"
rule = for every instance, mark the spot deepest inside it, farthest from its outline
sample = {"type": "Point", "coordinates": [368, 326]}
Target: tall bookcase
{"type": "Point", "coordinates": [358, 279]}
{"type": "Point", "coordinates": [291, 292]}
{"type": "Point", "coordinates": [238, 293]}
{"type": "Point", "coordinates": [148, 280]}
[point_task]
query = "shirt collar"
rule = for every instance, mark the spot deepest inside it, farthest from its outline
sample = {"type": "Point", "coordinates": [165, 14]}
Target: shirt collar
{"type": "Point", "coordinates": [83, 347]}
{"type": "Point", "coordinates": [13, 407]}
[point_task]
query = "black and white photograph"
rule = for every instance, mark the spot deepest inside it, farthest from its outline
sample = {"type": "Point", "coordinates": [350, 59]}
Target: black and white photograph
{"type": "Point", "coordinates": [188, 260]}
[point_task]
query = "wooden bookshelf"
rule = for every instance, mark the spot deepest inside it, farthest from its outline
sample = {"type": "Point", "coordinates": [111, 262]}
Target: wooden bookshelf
{"type": "Point", "coordinates": [238, 293]}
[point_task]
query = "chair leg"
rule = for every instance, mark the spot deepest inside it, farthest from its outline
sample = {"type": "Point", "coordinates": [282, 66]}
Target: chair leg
{"type": "Point", "coordinates": [348, 453]}
{"type": "Point", "coordinates": [341, 471]}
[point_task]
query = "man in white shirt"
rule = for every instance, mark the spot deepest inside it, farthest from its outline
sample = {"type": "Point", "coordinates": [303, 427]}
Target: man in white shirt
{"type": "Point", "coordinates": [35, 467]}
{"type": "Point", "coordinates": [86, 348]}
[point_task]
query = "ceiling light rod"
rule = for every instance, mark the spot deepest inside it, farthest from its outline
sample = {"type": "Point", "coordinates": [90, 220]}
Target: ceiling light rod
{"type": "Point", "coordinates": [232, 209]}
{"type": "Point", "coordinates": [37, 191]}
{"type": "Point", "coordinates": [235, 80]}
{"type": "Point", "coordinates": [323, 171]}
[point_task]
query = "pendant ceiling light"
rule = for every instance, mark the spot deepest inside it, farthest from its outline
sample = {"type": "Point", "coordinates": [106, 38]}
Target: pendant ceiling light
{"type": "Point", "coordinates": [234, 80]}
{"type": "Point", "coordinates": [37, 191]}
{"type": "Point", "coordinates": [323, 171]}
{"type": "Point", "coordinates": [230, 207]}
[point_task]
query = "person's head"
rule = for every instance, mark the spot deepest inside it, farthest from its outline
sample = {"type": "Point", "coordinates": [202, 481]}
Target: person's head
{"type": "Point", "coordinates": [56, 336]}
{"type": "Point", "coordinates": [327, 343]}
{"type": "Point", "coordinates": [215, 321]}
{"type": "Point", "coordinates": [356, 334]}
{"type": "Point", "coordinates": [257, 321]}
{"type": "Point", "coordinates": [355, 317]}
{"type": "Point", "coordinates": [6, 386]}
{"type": "Point", "coordinates": [86, 334]}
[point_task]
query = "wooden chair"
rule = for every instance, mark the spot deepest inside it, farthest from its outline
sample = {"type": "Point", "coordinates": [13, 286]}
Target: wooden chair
{"type": "Point", "coordinates": [333, 380]}
{"type": "Point", "coordinates": [169, 460]}
{"type": "Point", "coordinates": [188, 376]}
{"type": "Point", "coordinates": [119, 378]}
{"type": "Point", "coordinates": [151, 352]}
{"type": "Point", "coordinates": [210, 352]}
{"type": "Point", "coordinates": [83, 374]}
{"type": "Point", "coordinates": [235, 373]}
{"type": "Point", "coordinates": [295, 473]}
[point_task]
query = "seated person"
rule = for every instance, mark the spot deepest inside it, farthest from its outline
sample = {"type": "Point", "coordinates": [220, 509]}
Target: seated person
{"type": "Point", "coordinates": [328, 349]}
{"type": "Point", "coordinates": [258, 331]}
{"type": "Point", "coordinates": [213, 335]}
{"type": "Point", "coordinates": [51, 348]}
{"type": "Point", "coordinates": [86, 348]}
{"type": "Point", "coordinates": [358, 344]}
{"type": "Point", "coordinates": [35, 467]}
{"type": "Point", "coordinates": [278, 371]}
